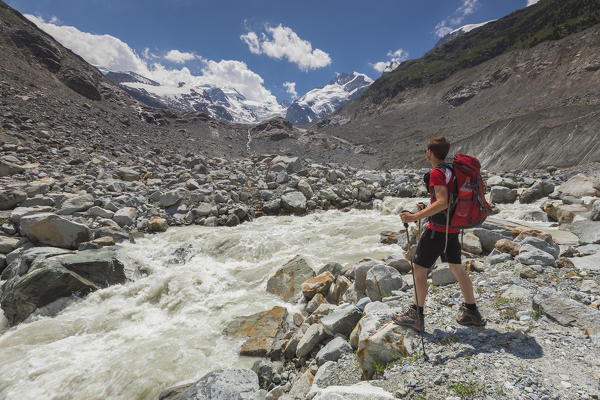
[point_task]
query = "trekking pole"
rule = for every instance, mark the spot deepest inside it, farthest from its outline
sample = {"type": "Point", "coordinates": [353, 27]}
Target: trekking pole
{"type": "Point", "coordinates": [412, 266]}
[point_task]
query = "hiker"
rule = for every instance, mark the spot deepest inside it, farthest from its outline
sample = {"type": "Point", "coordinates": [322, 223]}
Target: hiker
{"type": "Point", "coordinates": [439, 239]}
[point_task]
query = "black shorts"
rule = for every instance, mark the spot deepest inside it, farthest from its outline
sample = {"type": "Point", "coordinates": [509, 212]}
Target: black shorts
{"type": "Point", "coordinates": [429, 249]}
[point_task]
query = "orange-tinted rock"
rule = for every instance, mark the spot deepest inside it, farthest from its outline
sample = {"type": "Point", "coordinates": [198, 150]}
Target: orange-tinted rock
{"type": "Point", "coordinates": [317, 284]}
{"type": "Point", "coordinates": [157, 224]}
{"type": "Point", "coordinates": [287, 281]}
{"type": "Point", "coordinates": [508, 246]}
{"type": "Point", "coordinates": [534, 233]}
{"type": "Point", "coordinates": [262, 329]}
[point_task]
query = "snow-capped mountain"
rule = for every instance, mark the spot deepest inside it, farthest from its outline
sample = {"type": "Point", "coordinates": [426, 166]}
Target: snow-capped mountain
{"type": "Point", "coordinates": [320, 102]}
{"type": "Point", "coordinates": [220, 103]}
{"type": "Point", "coordinates": [459, 31]}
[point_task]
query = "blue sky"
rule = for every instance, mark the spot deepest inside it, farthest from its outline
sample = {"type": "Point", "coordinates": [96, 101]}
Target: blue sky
{"type": "Point", "coordinates": [302, 42]}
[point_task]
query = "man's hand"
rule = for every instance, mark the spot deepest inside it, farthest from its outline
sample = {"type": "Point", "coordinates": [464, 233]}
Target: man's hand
{"type": "Point", "coordinates": [408, 217]}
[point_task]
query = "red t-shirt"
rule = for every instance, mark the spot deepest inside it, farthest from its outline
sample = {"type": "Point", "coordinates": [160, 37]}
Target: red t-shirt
{"type": "Point", "coordinates": [440, 177]}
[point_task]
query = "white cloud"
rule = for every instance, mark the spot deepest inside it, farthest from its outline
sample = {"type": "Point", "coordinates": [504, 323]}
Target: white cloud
{"type": "Point", "coordinates": [448, 24]}
{"type": "Point", "coordinates": [282, 42]}
{"type": "Point", "coordinates": [531, 2]}
{"type": "Point", "coordinates": [180, 57]}
{"type": "Point", "coordinates": [101, 50]}
{"type": "Point", "coordinates": [395, 58]}
{"type": "Point", "coordinates": [290, 87]}
{"type": "Point", "coordinates": [113, 54]}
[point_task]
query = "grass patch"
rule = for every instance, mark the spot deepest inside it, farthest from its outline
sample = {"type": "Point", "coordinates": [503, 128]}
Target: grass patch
{"type": "Point", "coordinates": [466, 389]}
{"type": "Point", "coordinates": [508, 307]}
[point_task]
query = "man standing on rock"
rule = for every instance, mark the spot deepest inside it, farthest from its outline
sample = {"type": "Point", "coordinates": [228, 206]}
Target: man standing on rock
{"type": "Point", "coordinates": [433, 241]}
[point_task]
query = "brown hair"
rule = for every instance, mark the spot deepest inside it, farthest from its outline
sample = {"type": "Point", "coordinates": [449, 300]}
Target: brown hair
{"type": "Point", "coordinates": [439, 146]}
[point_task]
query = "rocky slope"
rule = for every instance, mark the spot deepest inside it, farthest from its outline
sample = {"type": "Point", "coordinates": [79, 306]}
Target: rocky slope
{"type": "Point", "coordinates": [321, 102]}
{"type": "Point", "coordinates": [494, 91]}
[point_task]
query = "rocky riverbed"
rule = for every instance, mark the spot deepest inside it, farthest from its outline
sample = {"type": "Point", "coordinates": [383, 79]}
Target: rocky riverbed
{"type": "Point", "coordinates": [315, 308]}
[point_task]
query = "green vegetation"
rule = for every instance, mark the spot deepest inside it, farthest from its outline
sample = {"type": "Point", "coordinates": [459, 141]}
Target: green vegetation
{"type": "Point", "coordinates": [466, 389]}
{"type": "Point", "coordinates": [508, 307]}
{"type": "Point", "coordinates": [522, 29]}
{"type": "Point", "coordinates": [537, 313]}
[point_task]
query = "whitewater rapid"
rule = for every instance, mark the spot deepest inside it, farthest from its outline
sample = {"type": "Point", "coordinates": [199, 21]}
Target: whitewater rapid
{"type": "Point", "coordinates": [132, 341]}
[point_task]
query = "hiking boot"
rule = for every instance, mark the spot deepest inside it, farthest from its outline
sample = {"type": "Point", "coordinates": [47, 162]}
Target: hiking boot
{"type": "Point", "coordinates": [411, 318]}
{"type": "Point", "coordinates": [469, 317]}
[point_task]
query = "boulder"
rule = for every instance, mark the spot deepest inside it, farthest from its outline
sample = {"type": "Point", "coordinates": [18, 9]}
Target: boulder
{"type": "Point", "coordinates": [595, 216]}
{"type": "Point", "coordinates": [261, 330]}
{"type": "Point", "coordinates": [312, 337]}
{"type": "Point", "coordinates": [128, 174]}
{"type": "Point", "coordinates": [100, 212]}
{"type": "Point", "coordinates": [223, 384]}
{"type": "Point", "coordinates": [287, 281]}
{"type": "Point", "coordinates": [171, 197]}
{"type": "Point", "coordinates": [125, 216]}
{"type": "Point", "coordinates": [489, 238]}
{"type": "Point", "coordinates": [381, 281]}
{"type": "Point", "coordinates": [24, 295]}
{"type": "Point", "coordinates": [580, 186]}
{"type": "Point", "coordinates": [566, 213]}
{"type": "Point", "coordinates": [8, 244]}
{"type": "Point", "coordinates": [76, 203]}
{"type": "Point", "coordinates": [157, 224]}
{"type": "Point", "coordinates": [8, 168]}
{"type": "Point", "coordinates": [314, 303]}
{"type": "Point", "coordinates": [337, 291]}
{"type": "Point", "coordinates": [294, 202]}
{"type": "Point", "coordinates": [291, 164]}
{"type": "Point", "coordinates": [566, 311]}
{"type": "Point", "coordinates": [587, 231]}
{"type": "Point", "coordinates": [289, 350]}
{"type": "Point", "coordinates": [516, 292]}
{"type": "Point", "coordinates": [333, 350]}
{"type": "Point", "coordinates": [51, 229]}
{"type": "Point", "coordinates": [9, 199]}
{"type": "Point", "coordinates": [530, 255]}
{"type": "Point", "coordinates": [305, 188]}
{"type": "Point", "coordinates": [501, 194]}
{"type": "Point", "coordinates": [471, 243]}
{"type": "Point", "coordinates": [398, 262]}
{"type": "Point", "coordinates": [442, 276]}
{"type": "Point", "coordinates": [547, 246]}
{"type": "Point", "coordinates": [383, 345]}
{"type": "Point", "coordinates": [536, 191]}
{"type": "Point", "coordinates": [360, 276]}
{"type": "Point", "coordinates": [317, 284]}
{"type": "Point", "coordinates": [341, 320]}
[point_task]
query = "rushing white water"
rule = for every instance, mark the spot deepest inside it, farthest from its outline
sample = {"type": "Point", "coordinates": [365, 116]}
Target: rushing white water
{"type": "Point", "coordinates": [133, 340]}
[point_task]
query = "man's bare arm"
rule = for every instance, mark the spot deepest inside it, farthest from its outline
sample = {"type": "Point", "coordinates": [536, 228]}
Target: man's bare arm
{"type": "Point", "coordinates": [439, 205]}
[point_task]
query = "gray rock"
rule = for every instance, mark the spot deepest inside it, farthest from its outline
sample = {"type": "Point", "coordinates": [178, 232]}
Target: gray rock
{"type": "Point", "coordinates": [312, 337]}
{"type": "Point", "coordinates": [333, 350]}
{"type": "Point", "coordinates": [54, 230]}
{"type": "Point", "coordinates": [530, 255]}
{"type": "Point", "coordinates": [294, 202]}
{"type": "Point", "coordinates": [381, 281]}
{"type": "Point", "coordinates": [171, 197]}
{"type": "Point", "coordinates": [595, 211]}
{"type": "Point", "coordinates": [335, 268]}
{"type": "Point", "coordinates": [360, 276]}
{"type": "Point", "coordinates": [498, 258]}
{"type": "Point", "coordinates": [125, 216]}
{"type": "Point", "coordinates": [128, 174]}
{"type": "Point", "coordinates": [399, 262]}
{"type": "Point", "coordinates": [341, 320]}
{"type": "Point", "coordinates": [362, 303]}
{"type": "Point", "coordinates": [550, 248]}
{"type": "Point", "coordinates": [100, 212]}
{"type": "Point", "coordinates": [534, 215]}
{"type": "Point", "coordinates": [580, 186]}
{"type": "Point", "coordinates": [501, 194]}
{"type": "Point", "coordinates": [8, 244]}
{"type": "Point", "coordinates": [489, 238]}
{"type": "Point", "coordinates": [291, 164]}
{"type": "Point", "coordinates": [7, 168]}
{"type": "Point", "coordinates": [287, 281]}
{"type": "Point", "coordinates": [20, 212]}
{"type": "Point", "coordinates": [272, 207]}
{"type": "Point", "coordinates": [587, 231]}
{"type": "Point", "coordinates": [471, 243]}
{"type": "Point", "coordinates": [2, 262]}
{"type": "Point", "coordinates": [588, 264]}
{"type": "Point", "coordinates": [305, 188]}
{"type": "Point", "coordinates": [228, 384]}
{"type": "Point", "coordinates": [37, 201]}
{"type": "Point", "coordinates": [9, 199]}
{"type": "Point", "coordinates": [75, 204]}
{"type": "Point", "coordinates": [566, 311]}
{"type": "Point", "coordinates": [536, 191]}
{"type": "Point", "coordinates": [442, 276]}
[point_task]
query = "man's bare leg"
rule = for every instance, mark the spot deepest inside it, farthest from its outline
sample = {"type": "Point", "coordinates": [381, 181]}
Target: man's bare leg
{"type": "Point", "coordinates": [466, 286]}
{"type": "Point", "coordinates": [421, 284]}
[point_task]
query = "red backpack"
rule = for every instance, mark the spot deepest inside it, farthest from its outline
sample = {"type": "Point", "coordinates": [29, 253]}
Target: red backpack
{"type": "Point", "coordinates": [468, 206]}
